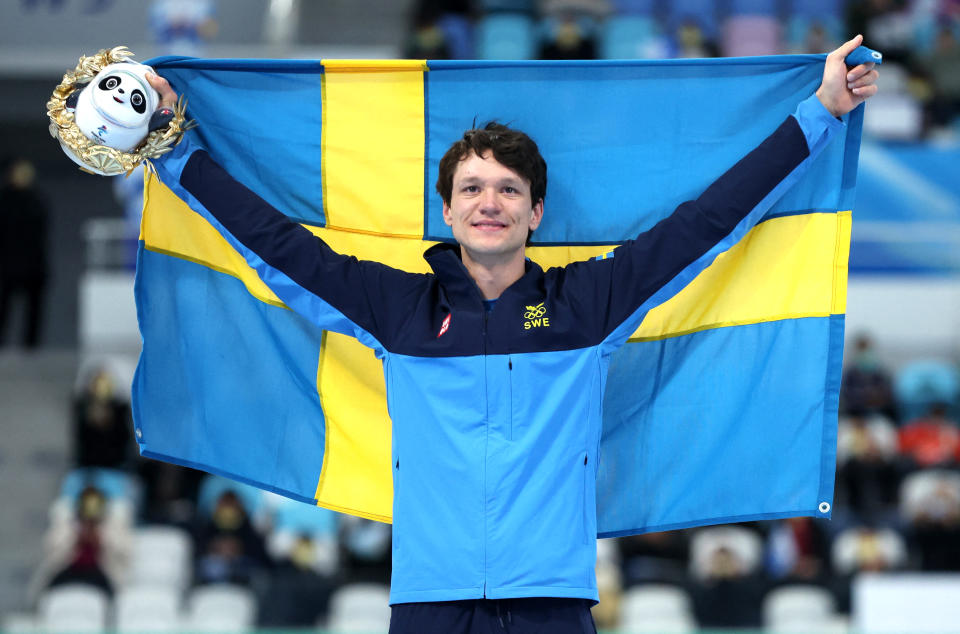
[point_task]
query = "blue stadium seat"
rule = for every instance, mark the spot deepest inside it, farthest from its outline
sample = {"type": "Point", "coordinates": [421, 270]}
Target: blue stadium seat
{"type": "Point", "coordinates": [458, 32]}
{"type": "Point", "coordinates": [634, 7]}
{"type": "Point", "coordinates": [799, 26]}
{"type": "Point", "coordinates": [703, 12]}
{"type": "Point", "coordinates": [513, 6]}
{"type": "Point", "coordinates": [753, 7]}
{"type": "Point", "coordinates": [213, 487]}
{"type": "Point", "coordinates": [506, 36]}
{"type": "Point", "coordinates": [921, 384]}
{"type": "Point", "coordinates": [298, 517]}
{"type": "Point", "coordinates": [816, 8]}
{"type": "Point", "coordinates": [630, 37]}
{"type": "Point", "coordinates": [113, 484]}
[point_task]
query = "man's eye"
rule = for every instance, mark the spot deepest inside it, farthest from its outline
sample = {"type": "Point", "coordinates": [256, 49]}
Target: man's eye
{"type": "Point", "coordinates": [510, 190]}
{"type": "Point", "coordinates": [471, 189]}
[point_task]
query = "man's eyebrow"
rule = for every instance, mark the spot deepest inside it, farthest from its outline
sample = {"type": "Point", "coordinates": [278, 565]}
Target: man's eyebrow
{"type": "Point", "coordinates": [506, 180]}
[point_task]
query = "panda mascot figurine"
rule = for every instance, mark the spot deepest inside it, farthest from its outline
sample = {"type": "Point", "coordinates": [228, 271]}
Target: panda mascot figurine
{"type": "Point", "coordinates": [107, 117]}
{"type": "Point", "coordinates": [119, 108]}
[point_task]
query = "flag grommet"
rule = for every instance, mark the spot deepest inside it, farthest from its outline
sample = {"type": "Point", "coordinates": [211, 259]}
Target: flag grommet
{"type": "Point", "coordinates": [824, 507]}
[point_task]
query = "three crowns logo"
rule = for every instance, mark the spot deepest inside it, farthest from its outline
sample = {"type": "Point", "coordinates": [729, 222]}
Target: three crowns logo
{"type": "Point", "coordinates": [535, 317]}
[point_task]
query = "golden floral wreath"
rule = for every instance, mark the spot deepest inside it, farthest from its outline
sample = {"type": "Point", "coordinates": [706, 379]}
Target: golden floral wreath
{"type": "Point", "coordinates": [102, 158]}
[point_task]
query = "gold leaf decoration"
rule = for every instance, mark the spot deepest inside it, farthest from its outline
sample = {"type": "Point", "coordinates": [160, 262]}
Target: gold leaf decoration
{"type": "Point", "coordinates": [101, 157]}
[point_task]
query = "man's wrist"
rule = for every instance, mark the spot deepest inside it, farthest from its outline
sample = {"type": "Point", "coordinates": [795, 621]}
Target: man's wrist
{"type": "Point", "coordinates": [824, 101]}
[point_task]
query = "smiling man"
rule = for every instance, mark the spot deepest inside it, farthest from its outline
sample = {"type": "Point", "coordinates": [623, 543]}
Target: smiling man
{"type": "Point", "coordinates": [495, 369]}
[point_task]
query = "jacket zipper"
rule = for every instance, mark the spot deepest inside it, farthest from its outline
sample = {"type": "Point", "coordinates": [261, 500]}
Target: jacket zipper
{"type": "Point", "coordinates": [486, 443]}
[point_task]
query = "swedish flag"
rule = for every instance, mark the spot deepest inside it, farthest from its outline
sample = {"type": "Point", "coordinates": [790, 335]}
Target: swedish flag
{"type": "Point", "coordinates": [721, 407]}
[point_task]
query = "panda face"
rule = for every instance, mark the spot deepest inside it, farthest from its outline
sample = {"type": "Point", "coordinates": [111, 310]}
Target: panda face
{"type": "Point", "coordinates": [121, 97]}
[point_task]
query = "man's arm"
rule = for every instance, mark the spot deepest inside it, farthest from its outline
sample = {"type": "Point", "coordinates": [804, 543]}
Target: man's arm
{"type": "Point", "coordinates": [334, 291]}
{"type": "Point", "coordinates": [660, 262]}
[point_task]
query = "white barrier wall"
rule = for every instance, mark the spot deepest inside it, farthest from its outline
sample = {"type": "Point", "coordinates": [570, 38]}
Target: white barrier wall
{"type": "Point", "coordinates": [900, 603]}
{"type": "Point", "coordinates": [908, 317]}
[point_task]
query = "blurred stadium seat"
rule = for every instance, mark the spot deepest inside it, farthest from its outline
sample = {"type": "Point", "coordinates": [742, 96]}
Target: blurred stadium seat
{"type": "Point", "coordinates": [214, 486]}
{"type": "Point", "coordinates": [701, 12]}
{"type": "Point", "coordinates": [631, 37]}
{"type": "Point", "coordinates": [162, 556]}
{"type": "Point", "coordinates": [745, 35]}
{"type": "Point", "coordinates": [505, 36]}
{"type": "Point", "coordinates": [819, 9]}
{"type": "Point", "coordinates": [147, 608]}
{"type": "Point", "coordinates": [221, 608]}
{"type": "Point", "coordinates": [73, 608]}
{"type": "Point", "coordinates": [360, 607]}
{"type": "Point", "coordinates": [656, 608]}
{"type": "Point", "coordinates": [514, 6]}
{"type": "Point", "coordinates": [113, 483]}
{"type": "Point", "coordinates": [798, 608]}
{"type": "Point", "coordinates": [743, 543]}
{"type": "Point", "coordinates": [768, 8]}
{"type": "Point", "coordinates": [922, 384]}
{"type": "Point", "coordinates": [634, 7]}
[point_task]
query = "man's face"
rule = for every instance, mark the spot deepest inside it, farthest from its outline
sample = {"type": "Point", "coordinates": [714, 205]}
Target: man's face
{"type": "Point", "coordinates": [490, 209]}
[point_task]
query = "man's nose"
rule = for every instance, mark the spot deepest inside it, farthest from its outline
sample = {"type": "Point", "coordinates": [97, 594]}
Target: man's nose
{"type": "Point", "coordinates": [489, 202]}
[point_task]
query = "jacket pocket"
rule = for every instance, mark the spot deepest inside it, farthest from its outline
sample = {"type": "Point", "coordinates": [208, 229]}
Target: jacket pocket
{"type": "Point", "coordinates": [584, 497]}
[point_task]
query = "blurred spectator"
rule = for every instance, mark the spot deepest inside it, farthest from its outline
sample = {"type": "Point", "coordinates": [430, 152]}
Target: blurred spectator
{"type": "Point", "coordinates": [102, 424]}
{"type": "Point", "coordinates": [943, 68]}
{"type": "Point", "coordinates": [887, 25]}
{"type": "Point", "coordinates": [89, 543]}
{"type": "Point", "coordinates": [298, 595]}
{"type": "Point", "coordinates": [229, 549]}
{"type": "Point", "coordinates": [798, 551]}
{"type": "Point", "coordinates": [727, 587]}
{"type": "Point", "coordinates": [568, 37]}
{"type": "Point", "coordinates": [23, 249]}
{"type": "Point", "coordinates": [817, 40]}
{"type": "Point", "coordinates": [866, 387]}
{"type": "Point", "coordinates": [654, 557]}
{"type": "Point", "coordinates": [867, 469]}
{"type": "Point", "coordinates": [690, 41]}
{"type": "Point", "coordinates": [428, 40]}
{"type": "Point", "coordinates": [864, 549]}
{"type": "Point", "coordinates": [170, 492]}
{"type": "Point", "coordinates": [365, 550]}
{"type": "Point", "coordinates": [932, 440]}
{"type": "Point", "coordinates": [930, 505]}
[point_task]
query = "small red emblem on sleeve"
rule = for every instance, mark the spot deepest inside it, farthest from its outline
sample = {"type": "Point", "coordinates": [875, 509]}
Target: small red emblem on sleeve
{"type": "Point", "coordinates": [445, 326]}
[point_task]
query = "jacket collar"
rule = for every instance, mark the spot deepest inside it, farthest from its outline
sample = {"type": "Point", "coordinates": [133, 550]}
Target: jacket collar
{"type": "Point", "coordinates": [444, 259]}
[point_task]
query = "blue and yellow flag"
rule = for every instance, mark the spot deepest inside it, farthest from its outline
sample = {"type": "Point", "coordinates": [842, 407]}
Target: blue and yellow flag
{"type": "Point", "coordinates": [721, 407]}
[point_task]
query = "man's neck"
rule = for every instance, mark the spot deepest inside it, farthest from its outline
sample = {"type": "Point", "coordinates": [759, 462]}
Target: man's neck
{"type": "Point", "coordinates": [495, 274]}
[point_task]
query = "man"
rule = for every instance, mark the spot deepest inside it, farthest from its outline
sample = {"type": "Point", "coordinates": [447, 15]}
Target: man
{"type": "Point", "coordinates": [494, 368]}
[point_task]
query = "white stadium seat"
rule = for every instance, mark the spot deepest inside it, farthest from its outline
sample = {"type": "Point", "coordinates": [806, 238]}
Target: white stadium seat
{"type": "Point", "coordinates": [360, 607]}
{"type": "Point", "coordinates": [147, 608]}
{"type": "Point", "coordinates": [73, 608]}
{"type": "Point", "coordinates": [162, 555]}
{"type": "Point", "coordinates": [656, 608]}
{"type": "Point", "coordinates": [221, 608]}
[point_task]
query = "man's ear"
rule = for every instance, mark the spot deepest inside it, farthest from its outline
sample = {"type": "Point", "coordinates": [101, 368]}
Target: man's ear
{"type": "Point", "coordinates": [447, 214]}
{"type": "Point", "coordinates": [537, 215]}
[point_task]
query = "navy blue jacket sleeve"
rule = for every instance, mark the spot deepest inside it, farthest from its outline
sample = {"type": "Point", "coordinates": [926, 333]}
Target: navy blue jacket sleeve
{"type": "Point", "coordinates": [617, 292]}
{"type": "Point", "coordinates": [337, 292]}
